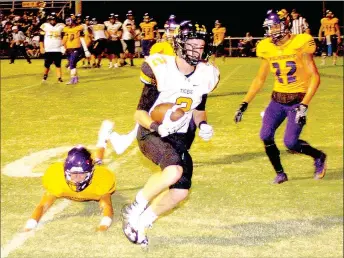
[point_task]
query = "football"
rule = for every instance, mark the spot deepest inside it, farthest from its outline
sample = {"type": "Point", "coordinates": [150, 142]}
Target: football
{"type": "Point", "coordinates": [158, 113]}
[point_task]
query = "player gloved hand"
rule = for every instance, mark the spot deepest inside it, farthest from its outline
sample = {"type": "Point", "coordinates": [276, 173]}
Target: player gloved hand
{"type": "Point", "coordinates": [239, 113]}
{"type": "Point", "coordinates": [168, 126]}
{"type": "Point", "coordinates": [30, 224]}
{"type": "Point", "coordinates": [206, 131]}
{"type": "Point", "coordinates": [87, 53]}
{"type": "Point", "coordinates": [63, 50]}
{"type": "Point", "coordinates": [104, 224]}
{"type": "Point", "coordinates": [301, 113]}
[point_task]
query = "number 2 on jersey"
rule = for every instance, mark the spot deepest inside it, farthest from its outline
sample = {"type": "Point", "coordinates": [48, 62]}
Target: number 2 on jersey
{"type": "Point", "coordinates": [290, 74]}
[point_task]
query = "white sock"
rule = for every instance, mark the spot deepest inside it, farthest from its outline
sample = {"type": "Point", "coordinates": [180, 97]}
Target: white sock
{"type": "Point", "coordinates": [141, 200]}
{"type": "Point", "coordinates": [148, 217]}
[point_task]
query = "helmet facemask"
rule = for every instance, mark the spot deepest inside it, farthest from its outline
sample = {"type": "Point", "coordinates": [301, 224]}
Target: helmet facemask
{"type": "Point", "coordinates": [186, 49]}
{"type": "Point", "coordinates": [78, 168]}
{"type": "Point", "coordinates": [275, 28]}
{"type": "Point", "coordinates": [76, 182]}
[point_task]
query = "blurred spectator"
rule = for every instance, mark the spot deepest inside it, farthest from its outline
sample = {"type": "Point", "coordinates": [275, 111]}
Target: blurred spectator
{"type": "Point", "coordinates": [247, 45]}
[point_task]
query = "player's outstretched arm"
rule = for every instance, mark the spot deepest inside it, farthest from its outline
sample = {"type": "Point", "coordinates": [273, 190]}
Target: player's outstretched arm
{"type": "Point", "coordinates": [105, 205]}
{"type": "Point", "coordinates": [256, 85]}
{"type": "Point", "coordinates": [314, 80]}
{"type": "Point", "coordinates": [45, 203]}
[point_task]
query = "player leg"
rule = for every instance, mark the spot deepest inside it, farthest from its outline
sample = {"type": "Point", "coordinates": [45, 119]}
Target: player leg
{"type": "Point", "coordinates": [131, 50]}
{"type": "Point", "coordinates": [172, 160]}
{"type": "Point", "coordinates": [324, 52]}
{"type": "Point", "coordinates": [145, 48]}
{"type": "Point", "coordinates": [48, 60]}
{"type": "Point", "coordinates": [57, 62]}
{"type": "Point", "coordinates": [273, 117]}
{"type": "Point", "coordinates": [334, 44]}
{"type": "Point", "coordinates": [110, 51]}
{"type": "Point", "coordinates": [74, 56]}
{"type": "Point", "coordinates": [295, 145]}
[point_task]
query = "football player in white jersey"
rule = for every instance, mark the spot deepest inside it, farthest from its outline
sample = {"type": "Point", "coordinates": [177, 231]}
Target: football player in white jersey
{"type": "Point", "coordinates": [51, 45]}
{"type": "Point", "coordinates": [186, 80]}
{"type": "Point", "coordinates": [114, 47]}
{"type": "Point", "coordinates": [129, 35]}
{"type": "Point", "coordinates": [100, 36]}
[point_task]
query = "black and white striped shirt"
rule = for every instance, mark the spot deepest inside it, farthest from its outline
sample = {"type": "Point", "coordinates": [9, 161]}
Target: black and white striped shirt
{"type": "Point", "coordinates": [299, 26]}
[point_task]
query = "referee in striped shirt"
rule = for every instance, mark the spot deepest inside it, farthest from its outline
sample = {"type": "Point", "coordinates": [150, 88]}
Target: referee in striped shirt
{"type": "Point", "coordinates": [299, 24]}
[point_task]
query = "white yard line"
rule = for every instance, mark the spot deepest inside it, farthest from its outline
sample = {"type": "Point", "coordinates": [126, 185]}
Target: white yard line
{"type": "Point", "coordinates": [27, 87]}
{"type": "Point", "coordinates": [230, 74]}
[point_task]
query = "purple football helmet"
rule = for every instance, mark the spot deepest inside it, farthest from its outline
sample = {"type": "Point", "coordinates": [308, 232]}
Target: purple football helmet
{"type": "Point", "coordinates": [188, 30]}
{"type": "Point", "coordinates": [78, 161]}
{"type": "Point", "coordinates": [272, 19]}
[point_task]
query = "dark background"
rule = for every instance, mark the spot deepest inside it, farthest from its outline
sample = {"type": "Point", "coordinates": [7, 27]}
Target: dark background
{"type": "Point", "coordinates": [237, 17]}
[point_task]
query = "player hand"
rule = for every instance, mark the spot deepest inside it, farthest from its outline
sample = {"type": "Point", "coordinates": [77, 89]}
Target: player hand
{"type": "Point", "coordinates": [339, 39]}
{"type": "Point", "coordinates": [104, 224]}
{"type": "Point", "coordinates": [102, 228]}
{"type": "Point", "coordinates": [168, 126]}
{"type": "Point", "coordinates": [301, 113]}
{"type": "Point", "coordinates": [30, 224]}
{"type": "Point", "coordinates": [63, 50]}
{"type": "Point", "coordinates": [87, 53]}
{"type": "Point", "coordinates": [239, 113]}
{"type": "Point", "coordinates": [320, 38]}
{"type": "Point", "coordinates": [41, 50]}
{"type": "Point", "coordinates": [206, 132]}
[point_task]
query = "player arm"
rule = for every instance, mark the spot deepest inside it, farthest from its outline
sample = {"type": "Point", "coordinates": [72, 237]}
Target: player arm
{"type": "Point", "coordinates": [258, 81]}
{"type": "Point", "coordinates": [336, 26]}
{"type": "Point", "coordinates": [105, 206]}
{"type": "Point", "coordinates": [320, 31]}
{"type": "Point", "coordinates": [41, 40]}
{"type": "Point", "coordinates": [149, 95]}
{"type": "Point", "coordinates": [45, 203]}
{"type": "Point", "coordinates": [314, 80]}
{"type": "Point", "coordinates": [199, 114]}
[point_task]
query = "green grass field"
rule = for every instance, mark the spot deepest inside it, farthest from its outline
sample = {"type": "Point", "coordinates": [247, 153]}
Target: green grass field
{"type": "Point", "coordinates": [233, 210]}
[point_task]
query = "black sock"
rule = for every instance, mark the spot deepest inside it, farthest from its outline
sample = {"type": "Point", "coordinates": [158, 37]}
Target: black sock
{"type": "Point", "coordinates": [274, 155]}
{"type": "Point", "coordinates": [309, 150]}
{"type": "Point", "coordinates": [131, 62]}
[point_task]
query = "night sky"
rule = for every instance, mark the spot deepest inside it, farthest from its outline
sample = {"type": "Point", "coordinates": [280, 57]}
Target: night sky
{"type": "Point", "coordinates": [237, 17]}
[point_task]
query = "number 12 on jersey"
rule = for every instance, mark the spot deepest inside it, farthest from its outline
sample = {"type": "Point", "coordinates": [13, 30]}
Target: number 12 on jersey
{"type": "Point", "coordinates": [290, 77]}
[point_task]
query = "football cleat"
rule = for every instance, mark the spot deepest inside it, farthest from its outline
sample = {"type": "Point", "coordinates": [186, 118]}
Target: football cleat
{"type": "Point", "coordinates": [320, 167]}
{"type": "Point", "coordinates": [132, 229]}
{"type": "Point", "coordinates": [74, 80]}
{"type": "Point", "coordinates": [280, 178]}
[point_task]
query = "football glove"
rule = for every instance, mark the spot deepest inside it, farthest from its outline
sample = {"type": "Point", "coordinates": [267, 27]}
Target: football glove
{"type": "Point", "coordinates": [239, 113]}
{"type": "Point", "coordinates": [30, 224]}
{"type": "Point", "coordinates": [206, 132]}
{"type": "Point", "coordinates": [301, 113]}
{"type": "Point", "coordinates": [63, 50]}
{"type": "Point", "coordinates": [168, 126]}
{"type": "Point", "coordinates": [104, 224]}
{"type": "Point", "coordinates": [87, 53]}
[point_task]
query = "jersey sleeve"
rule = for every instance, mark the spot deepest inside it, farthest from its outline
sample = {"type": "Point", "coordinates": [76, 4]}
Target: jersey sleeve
{"type": "Point", "coordinates": [309, 45]}
{"type": "Point", "coordinates": [50, 182]}
{"type": "Point", "coordinates": [260, 50]}
{"type": "Point", "coordinates": [147, 76]}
